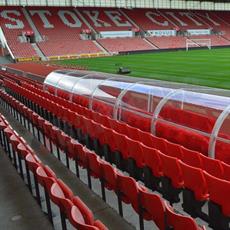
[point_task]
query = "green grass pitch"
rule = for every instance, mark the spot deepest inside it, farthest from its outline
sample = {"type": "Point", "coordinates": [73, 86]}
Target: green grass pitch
{"type": "Point", "coordinates": [198, 67]}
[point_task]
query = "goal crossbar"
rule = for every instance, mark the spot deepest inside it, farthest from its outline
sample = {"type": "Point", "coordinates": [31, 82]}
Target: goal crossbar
{"type": "Point", "coordinates": [198, 43]}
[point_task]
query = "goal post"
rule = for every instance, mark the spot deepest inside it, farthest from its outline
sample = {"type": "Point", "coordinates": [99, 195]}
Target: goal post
{"type": "Point", "coordinates": [191, 43]}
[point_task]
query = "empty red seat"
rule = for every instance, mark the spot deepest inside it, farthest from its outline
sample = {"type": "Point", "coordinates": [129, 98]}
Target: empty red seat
{"type": "Point", "coordinates": [109, 175]}
{"type": "Point", "coordinates": [212, 166]}
{"type": "Point", "coordinates": [153, 208]}
{"type": "Point", "coordinates": [219, 202]}
{"type": "Point", "coordinates": [172, 182]}
{"type": "Point", "coordinates": [191, 157]}
{"type": "Point", "coordinates": [153, 170]}
{"type": "Point", "coordinates": [194, 180]}
{"type": "Point", "coordinates": [128, 190]}
{"type": "Point", "coordinates": [180, 222]}
{"type": "Point", "coordinates": [195, 192]}
{"type": "Point", "coordinates": [226, 168]}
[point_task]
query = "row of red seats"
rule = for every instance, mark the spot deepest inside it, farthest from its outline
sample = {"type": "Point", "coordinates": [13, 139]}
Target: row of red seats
{"type": "Point", "coordinates": [19, 79]}
{"type": "Point", "coordinates": [116, 45]}
{"type": "Point", "coordinates": [171, 168]}
{"type": "Point", "coordinates": [149, 205]}
{"type": "Point", "coordinates": [177, 134]}
{"type": "Point", "coordinates": [193, 158]}
{"type": "Point", "coordinates": [71, 207]}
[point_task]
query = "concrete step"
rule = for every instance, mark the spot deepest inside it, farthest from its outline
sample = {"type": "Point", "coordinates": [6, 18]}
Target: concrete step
{"type": "Point", "coordinates": [150, 43]}
{"type": "Point", "coordinates": [100, 46]}
{"type": "Point", "coordinates": [31, 23]}
{"type": "Point", "coordinates": [39, 52]}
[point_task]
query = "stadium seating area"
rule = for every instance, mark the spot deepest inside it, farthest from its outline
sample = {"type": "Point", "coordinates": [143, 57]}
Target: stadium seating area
{"type": "Point", "coordinates": [115, 45]}
{"type": "Point", "coordinates": [13, 28]}
{"type": "Point", "coordinates": [52, 21]}
{"type": "Point", "coordinates": [71, 207]}
{"type": "Point", "coordinates": [142, 200]}
{"type": "Point", "coordinates": [57, 43]}
{"type": "Point", "coordinates": [86, 136]}
{"type": "Point", "coordinates": [168, 42]}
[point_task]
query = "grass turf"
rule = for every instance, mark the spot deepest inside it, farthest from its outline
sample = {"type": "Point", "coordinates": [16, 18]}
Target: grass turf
{"type": "Point", "coordinates": [198, 67]}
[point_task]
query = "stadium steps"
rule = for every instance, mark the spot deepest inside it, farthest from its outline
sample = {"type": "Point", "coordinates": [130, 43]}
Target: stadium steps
{"type": "Point", "coordinates": [129, 19]}
{"type": "Point", "coordinates": [100, 209]}
{"type": "Point", "coordinates": [167, 18]}
{"type": "Point", "coordinates": [150, 43]}
{"type": "Point", "coordinates": [35, 30]}
{"type": "Point", "coordinates": [85, 21]}
{"type": "Point", "coordinates": [101, 47]}
{"type": "Point", "coordinates": [39, 52]}
{"type": "Point", "coordinates": [225, 37]}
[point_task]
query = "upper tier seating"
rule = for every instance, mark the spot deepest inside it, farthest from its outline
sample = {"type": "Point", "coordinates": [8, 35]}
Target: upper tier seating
{"type": "Point", "coordinates": [115, 45]}
{"type": "Point", "coordinates": [108, 19]}
{"type": "Point", "coordinates": [149, 19]}
{"type": "Point", "coordinates": [13, 23]}
{"type": "Point", "coordinates": [52, 21]}
{"type": "Point", "coordinates": [61, 28]}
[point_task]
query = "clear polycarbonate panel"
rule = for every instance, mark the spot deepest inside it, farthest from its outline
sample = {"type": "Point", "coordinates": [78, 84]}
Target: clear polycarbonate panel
{"type": "Point", "coordinates": [67, 83]}
{"type": "Point", "coordinates": [53, 78]}
{"type": "Point", "coordinates": [198, 116]}
{"type": "Point", "coordinates": [141, 99]}
{"type": "Point", "coordinates": [109, 91]}
{"type": "Point", "coordinates": [222, 145]}
{"type": "Point", "coordinates": [63, 79]}
{"type": "Point", "coordinates": [196, 110]}
{"type": "Point", "coordinates": [87, 85]}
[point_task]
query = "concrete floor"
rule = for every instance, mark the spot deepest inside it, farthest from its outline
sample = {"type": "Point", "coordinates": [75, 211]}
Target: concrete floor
{"type": "Point", "coordinates": [18, 209]}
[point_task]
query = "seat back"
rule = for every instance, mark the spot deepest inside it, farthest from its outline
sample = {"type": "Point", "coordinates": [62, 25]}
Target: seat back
{"type": "Point", "coordinates": [153, 208]}
{"type": "Point", "coordinates": [178, 221]}
{"type": "Point", "coordinates": [109, 175]}
{"type": "Point", "coordinates": [212, 166]}
{"type": "Point", "coordinates": [218, 190]}
{"type": "Point", "coordinates": [172, 170]}
{"type": "Point", "coordinates": [128, 190]}
{"type": "Point", "coordinates": [191, 157]}
{"type": "Point", "coordinates": [194, 180]}
{"type": "Point", "coordinates": [152, 160]}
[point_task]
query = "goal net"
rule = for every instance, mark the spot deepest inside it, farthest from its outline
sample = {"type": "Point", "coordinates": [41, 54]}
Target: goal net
{"type": "Point", "coordinates": [191, 43]}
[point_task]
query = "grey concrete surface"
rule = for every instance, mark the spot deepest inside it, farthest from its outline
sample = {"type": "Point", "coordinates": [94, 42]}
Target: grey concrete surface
{"type": "Point", "coordinates": [18, 209]}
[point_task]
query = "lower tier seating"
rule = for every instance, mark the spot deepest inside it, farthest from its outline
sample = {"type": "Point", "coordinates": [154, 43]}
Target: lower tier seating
{"type": "Point", "coordinates": [168, 42]}
{"type": "Point", "coordinates": [116, 45]}
{"type": "Point", "coordinates": [67, 47]}
{"type": "Point", "coordinates": [144, 202]}
{"type": "Point", "coordinates": [71, 207]}
{"type": "Point", "coordinates": [171, 164]}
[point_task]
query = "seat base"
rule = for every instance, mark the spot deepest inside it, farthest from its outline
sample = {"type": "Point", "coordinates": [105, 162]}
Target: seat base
{"type": "Point", "coordinates": [169, 192]}
{"type": "Point", "coordinates": [217, 220]}
{"type": "Point", "coordinates": [193, 206]}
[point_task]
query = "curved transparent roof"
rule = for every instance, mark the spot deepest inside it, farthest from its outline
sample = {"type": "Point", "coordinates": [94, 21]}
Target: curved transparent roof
{"type": "Point", "coordinates": [200, 109]}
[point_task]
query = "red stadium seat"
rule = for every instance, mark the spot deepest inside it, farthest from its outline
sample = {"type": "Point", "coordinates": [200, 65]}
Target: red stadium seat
{"type": "Point", "coordinates": [153, 170]}
{"type": "Point", "coordinates": [179, 222]}
{"type": "Point", "coordinates": [172, 182]}
{"type": "Point", "coordinates": [212, 166]}
{"type": "Point", "coordinates": [195, 192]}
{"type": "Point", "coordinates": [153, 208]}
{"type": "Point", "coordinates": [219, 202]}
